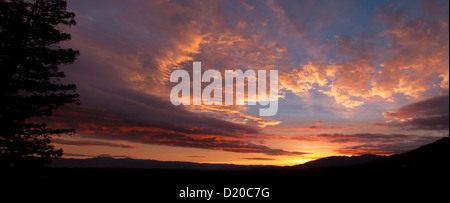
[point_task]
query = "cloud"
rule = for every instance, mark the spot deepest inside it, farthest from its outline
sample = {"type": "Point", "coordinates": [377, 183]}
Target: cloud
{"type": "Point", "coordinates": [124, 85]}
{"type": "Point", "coordinates": [354, 138]}
{"type": "Point", "coordinates": [150, 120]}
{"type": "Point", "coordinates": [92, 143]}
{"type": "Point", "coordinates": [318, 126]}
{"type": "Point", "coordinates": [369, 149]}
{"type": "Point", "coordinates": [387, 148]}
{"type": "Point", "coordinates": [113, 156]}
{"type": "Point", "coordinates": [303, 79]}
{"type": "Point", "coordinates": [408, 57]}
{"type": "Point", "coordinates": [234, 114]}
{"type": "Point", "coordinates": [195, 156]}
{"type": "Point", "coordinates": [135, 112]}
{"type": "Point", "coordinates": [129, 49]}
{"type": "Point", "coordinates": [267, 35]}
{"type": "Point", "coordinates": [65, 154]}
{"type": "Point", "coordinates": [429, 114]}
{"type": "Point", "coordinates": [258, 159]}
{"type": "Point", "coordinates": [419, 57]}
{"type": "Point", "coordinates": [145, 51]}
{"type": "Point", "coordinates": [426, 108]}
{"type": "Point", "coordinates": [370, 143]}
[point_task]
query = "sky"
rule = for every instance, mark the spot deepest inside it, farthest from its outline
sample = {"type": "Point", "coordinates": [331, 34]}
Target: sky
{"type": "Point", "coordinates": [355, 77]}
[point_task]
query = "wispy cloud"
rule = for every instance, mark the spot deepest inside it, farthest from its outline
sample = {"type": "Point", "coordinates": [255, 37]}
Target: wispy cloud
{"type": "Point", "coordinates": [258, 159]}
{"type": "Point", "coordinates": [429, 114]}
{"type": "Point", "coordinates": [92, 143]}
{"type": "Point", "coordinates": [386, 148]}
{"type": "Point", "coordinates": [182, 128]}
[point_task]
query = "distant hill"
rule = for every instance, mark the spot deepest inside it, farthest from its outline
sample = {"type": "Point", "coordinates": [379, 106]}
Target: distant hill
{"type": "Point", "coordinates": [432, 155]}
{"type": "Point", "coordinates": [128, 163]}
{"type": "Point", "coordinates": [338, 161]}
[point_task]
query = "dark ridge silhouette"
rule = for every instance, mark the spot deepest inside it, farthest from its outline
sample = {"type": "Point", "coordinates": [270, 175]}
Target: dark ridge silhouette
{"type": "Point", "coordinates": [434, 155]}
{"type": "Point", "coordinates": [128, 163]}
{"type": "Point", "coordinates": [338, 161]}
{"type": "Point", "coordinates": [418, 174]}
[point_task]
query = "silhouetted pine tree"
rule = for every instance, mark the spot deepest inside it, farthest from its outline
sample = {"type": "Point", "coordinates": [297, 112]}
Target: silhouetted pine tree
{"type": "Point", "coordinates": [30, 86]}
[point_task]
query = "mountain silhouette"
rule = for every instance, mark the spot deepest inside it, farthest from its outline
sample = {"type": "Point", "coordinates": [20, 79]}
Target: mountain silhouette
{"type": "Point", "coordinates": [434, 155]}
{"type": "Point", "coordinates": [128, 163]}
{"type": "Point", "coordinates": [338, 161]}
{"type": "Point", "coordinates": [430, 155]}
{"type": "Point", "coordinates": [417, 174]}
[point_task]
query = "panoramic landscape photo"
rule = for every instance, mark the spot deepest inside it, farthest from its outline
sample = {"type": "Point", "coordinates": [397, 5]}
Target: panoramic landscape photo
{"type": "Point", "coordinates": [225, 99]}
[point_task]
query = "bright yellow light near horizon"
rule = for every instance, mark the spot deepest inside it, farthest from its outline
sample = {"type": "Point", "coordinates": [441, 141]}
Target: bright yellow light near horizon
{"type": "Point", "coordinates": [292, 162]}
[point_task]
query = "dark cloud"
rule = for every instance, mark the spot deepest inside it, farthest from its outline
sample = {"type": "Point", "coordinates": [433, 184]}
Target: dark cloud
{"type": "Point", "coordinates": [92, 143]}
{"type": "Point", "coordinates": [76, 155]}
{"type": "Point", "coordinates": [427, 108]}
{"type": "Point", "coordinates": [369, 149]}
{"type": "Point", "coordinates": [357, 137]}
{"type": "Point", "coordinates": [215, 143]}
{"type": "Point", "coordinates": [387, 148]}
{"type": "Point", "coordinates": [432, 123]}
{"type": "Point", "coordinates": [146, 119]}
{"type": "Point", "coordinates": [128, 108]}
{"type": "Point", "coordinates": [113, 156]}
{"type": "Point", "coordinates": [430, 114]}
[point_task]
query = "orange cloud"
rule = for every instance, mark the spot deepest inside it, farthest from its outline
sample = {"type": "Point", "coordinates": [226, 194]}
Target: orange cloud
{"type": "Point", "coordinates": [301, 80]}
{"type": "Point", "coordinates": [415, 61]}
{"type": "Point", "coordinates": [420, 52]}
{"type": "Point", "coordinates": [182, 129]}
{"type": "Point", "coordinates": [234, 114]}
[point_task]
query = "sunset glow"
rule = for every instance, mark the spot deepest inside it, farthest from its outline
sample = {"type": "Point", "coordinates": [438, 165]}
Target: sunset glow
{"type": "Point", "coordinates": [355, 77]}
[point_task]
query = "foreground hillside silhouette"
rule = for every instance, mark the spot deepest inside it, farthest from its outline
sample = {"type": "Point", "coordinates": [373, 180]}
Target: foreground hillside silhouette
{"type": "Point", "coordinates": [420, 173]}
{"type": "Point", "coordinates": [128, 163]}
